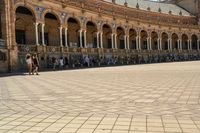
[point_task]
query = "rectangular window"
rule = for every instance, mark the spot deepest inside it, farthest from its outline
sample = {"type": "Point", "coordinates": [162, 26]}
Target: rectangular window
{"type": "Point", "coordinates": [63, 40]}
{"type": "Point", "coordinates": [133, 46]}
{"type": "Point", "coordinates": [46, 38]}
{"type": "Point", "coordinates": [166, 45]}
{"type": "Point", "coordinates": [145, 45]}
{"type": "Point", "coordinates": [109, 43]}
{"type": "Point", "coordinates": [176, 45]}
{"type": "Point", "coordinates": [122, 44]}
{"type": "Point", "coordinates": [95, 43]}
{"type": "Point", "coordinates": [20, 37]}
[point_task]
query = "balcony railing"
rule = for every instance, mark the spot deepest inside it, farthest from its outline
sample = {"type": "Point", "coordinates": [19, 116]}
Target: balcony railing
{"type": "Point", "coordinates": [53, 49]}
{"type": "Point", "coordinates": [57, 49]}
{"type": "Point", "coordinates": [132, 13]}
{"type": "Point", "coordinates": [27, 48]}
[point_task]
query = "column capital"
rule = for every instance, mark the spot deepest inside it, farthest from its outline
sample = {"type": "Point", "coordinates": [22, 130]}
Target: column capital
{"type": "Point", "coordinates": [36, 23]}
{"type": "Point", "coordinates": [60, 27]}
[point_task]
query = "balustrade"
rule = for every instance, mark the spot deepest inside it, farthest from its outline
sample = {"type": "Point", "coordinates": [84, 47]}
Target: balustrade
{"type": "Point", "coordinates": [27, 48]}
{"type": "Point", "coordinates": [132, 13]}
{"type": "Point", "coordinates": [53, 49]}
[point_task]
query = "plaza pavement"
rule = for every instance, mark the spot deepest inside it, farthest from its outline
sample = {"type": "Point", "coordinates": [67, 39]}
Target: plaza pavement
{"type": "Point", "coordinates": [152, 98]}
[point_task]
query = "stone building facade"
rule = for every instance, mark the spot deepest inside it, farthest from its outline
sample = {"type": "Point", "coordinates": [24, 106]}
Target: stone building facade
{"type": "Point", "coordinates": [72, 28]}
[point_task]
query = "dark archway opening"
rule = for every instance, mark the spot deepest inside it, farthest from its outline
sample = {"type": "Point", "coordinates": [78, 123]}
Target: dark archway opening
{"type": "Point", "coordinates": [91, 35]}
{"type": "Point", "coordinates": [51, 31]}
{"type": "Point", "coordinates": [73, 30]}
{"type": "Point", "coordinates": [24, 28]}
{"type": "Point", "coordinates": [120, 38]}
{"type": "Point", "coordinates": [107, 31]}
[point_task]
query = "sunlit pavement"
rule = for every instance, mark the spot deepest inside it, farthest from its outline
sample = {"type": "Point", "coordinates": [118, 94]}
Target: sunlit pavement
{"type": "Point", "coordinates": [153, 98]}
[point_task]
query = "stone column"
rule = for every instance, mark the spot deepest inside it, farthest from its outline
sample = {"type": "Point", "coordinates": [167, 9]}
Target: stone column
{"type": "Point", "coordinates": [112, 40]}
{"type": "Point", "coordinates": [101, 39]}
{"type": "Point", "coordinates": [150, 45]}
{"type": "Point", "coordinates": [66, 38]}
{"type": "Point", "coordinates": [128, 47]}
{"type": "Point", "coordinates": [188, 44]}
{"type": "Point", "coordinates": [168, 43]}
{"type": "Point", "coordinates": [171, 44]}
{"type": "Point", "coordinates": [125, 42]}
{"type": "Point", "coordinates": [158, 43]}
{"type": "Point", "coordinates": [61, 42]}
{"type": "Point", "coordinates": [137, 43]}
{"type": "Point", "coordinates": [178, 41]}
{"type": "Point", "coordinates": [43, 43]}
{"type": "Point", "coordinates": [36, 33]}
{"type": "Point", "coordinates": [81, 41]}
{"type": "Point", "coordinates": [115, 41]}
{"type": "Point", "coordinates": [139, 46]}
{"type": "Point", "coordinates": [180, 44]}
{"type": "Point", "coordinates": [97, 39]}
{"type": "Point", "coordinates": [85, 39]}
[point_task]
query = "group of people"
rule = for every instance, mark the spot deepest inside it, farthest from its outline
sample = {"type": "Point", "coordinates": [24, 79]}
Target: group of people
{"type": "Point", "coordinates": [55, 62]}
{"type": "Point", "coordinates": [32, 63]}
{"type": "Point", "coordinates": [80, 61]}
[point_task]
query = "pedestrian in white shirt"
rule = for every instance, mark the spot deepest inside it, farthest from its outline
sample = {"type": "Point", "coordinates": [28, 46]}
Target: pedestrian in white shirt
{"type": "Point", "coordinates": [29, 63]}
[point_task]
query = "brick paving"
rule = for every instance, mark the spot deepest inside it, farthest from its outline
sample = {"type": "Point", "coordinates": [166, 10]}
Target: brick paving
{"type": "Point", "coordinates": [153, 98]}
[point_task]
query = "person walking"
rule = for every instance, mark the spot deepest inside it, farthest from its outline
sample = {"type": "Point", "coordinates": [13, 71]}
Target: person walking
{"type": "Point", "coordinates": [61, 62]}
{"type": "Point", "coordinates": [29, 63]}
{"type": "Point", "coordinates": [35, 64]}
{"type": "Point", "coordinates": [54, 63]}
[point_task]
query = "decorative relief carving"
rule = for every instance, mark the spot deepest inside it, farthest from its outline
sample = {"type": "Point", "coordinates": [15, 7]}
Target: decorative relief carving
{"type": "Point", "coordinates": [63, 16]}
{"type": "Point", "coordinates": [39, 10]}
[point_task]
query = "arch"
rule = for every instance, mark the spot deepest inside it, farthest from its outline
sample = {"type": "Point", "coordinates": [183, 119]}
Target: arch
{"type": "Point", "coordinates": [24, 26]}
{"type": "Point", "coordinates": [120, 37]}
{"type": "Point", "coordinates": [91, 34]}
{"type": "Point", "coordinates": [107, 32]}
{"type": "Point", "coordinates": [73, 29]}
{"type": "Point", "coordinates": [174, 41]}
{"type": "Point", "coordinates": [165, 37]}
{"type": "Point", "coordinates": [154, 40]}
{"type": "Point", "coordinates": [144, 36]}
{"type": "Point", "coordinates": [48, 11]}
{"type": "Point", "coordinates": [194, 41]}
{"type": "Point", "coordinates": [106, 24]}
{"type": "Point", "coordinates": [74, 19]}
{"type": "Point", "coordinates": [122, 28]}
{"type": "Point", "coordinates": [91, 23]}
{"type": "Point", "coordinates": [29, 7]}
{"type": "Point", "coordinates": [132, 38]}
{"type": "Point", "coordinates": [184, 44]}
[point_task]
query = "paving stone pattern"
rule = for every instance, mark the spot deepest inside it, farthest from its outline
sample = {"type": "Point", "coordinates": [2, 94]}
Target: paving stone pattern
{"type": "Point", "coordinates": [152, 98]}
